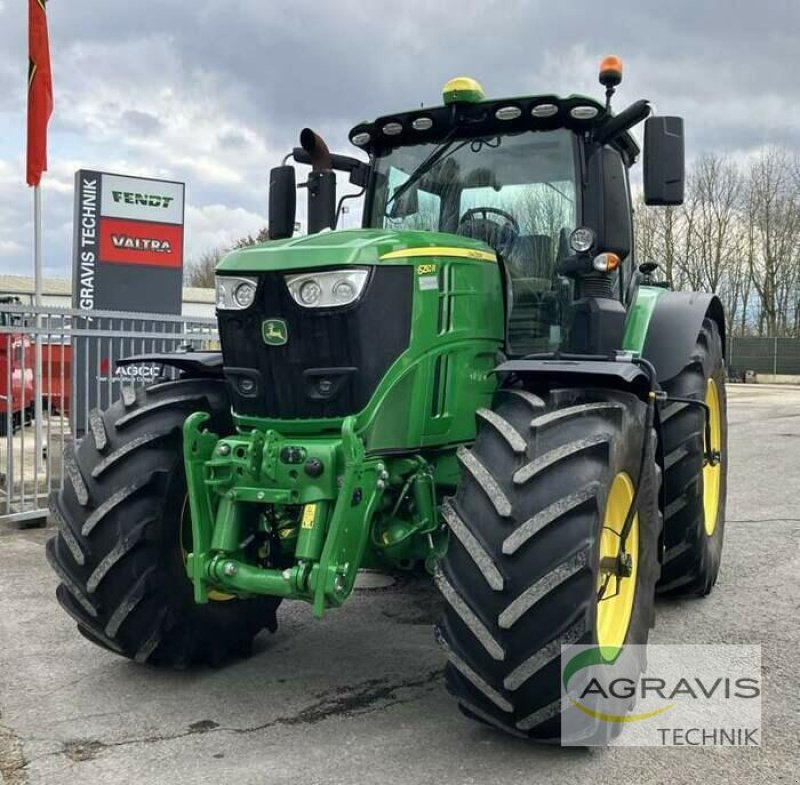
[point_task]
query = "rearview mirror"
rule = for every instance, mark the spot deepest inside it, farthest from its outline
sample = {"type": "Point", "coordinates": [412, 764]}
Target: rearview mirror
{"type": "Point", "coordinates": [663, 160]}
{"type": "Point", "coordinates": [282, 202]}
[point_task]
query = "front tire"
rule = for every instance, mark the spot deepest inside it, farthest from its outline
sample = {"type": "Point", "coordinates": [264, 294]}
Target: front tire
{"type": "Point", "coordinates": [118, 551]}
{"type": "Point", "coordinates": [521, 577]}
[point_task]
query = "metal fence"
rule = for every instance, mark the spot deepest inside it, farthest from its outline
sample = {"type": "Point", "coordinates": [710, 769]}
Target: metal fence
{"type": "Point", "coordinates": [777, 356]}
{"type": "Point", "coordinates": [79, 350]}
{"type": "Point", "coordinates": [42, 410]}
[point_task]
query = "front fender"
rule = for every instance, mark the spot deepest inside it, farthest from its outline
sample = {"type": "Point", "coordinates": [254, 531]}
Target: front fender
{"type": "Point", "coordinates": [576, 372]}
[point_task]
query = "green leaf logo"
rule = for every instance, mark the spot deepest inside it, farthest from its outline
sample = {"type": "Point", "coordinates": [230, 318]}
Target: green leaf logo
{"type": "Point", "coordinates": [274, 332]}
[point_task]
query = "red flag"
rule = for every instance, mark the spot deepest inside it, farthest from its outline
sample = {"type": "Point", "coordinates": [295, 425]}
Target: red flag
{"type": "Point", "coordinates": [40, 90]}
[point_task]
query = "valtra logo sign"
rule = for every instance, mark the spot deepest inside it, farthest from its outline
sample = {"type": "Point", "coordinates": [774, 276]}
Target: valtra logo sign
{"type": "Point", "coordinates": [140, 242]}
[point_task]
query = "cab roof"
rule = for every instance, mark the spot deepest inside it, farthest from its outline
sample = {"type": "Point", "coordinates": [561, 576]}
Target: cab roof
{"type": "Point", "coordinates": [487, 118]}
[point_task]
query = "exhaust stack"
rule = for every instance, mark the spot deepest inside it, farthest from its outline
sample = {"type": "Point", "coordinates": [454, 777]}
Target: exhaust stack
{"type": "Point", "coordinates": [321, 183]}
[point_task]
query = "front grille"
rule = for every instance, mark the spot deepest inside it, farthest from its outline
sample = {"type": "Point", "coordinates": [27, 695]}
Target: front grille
{"type": "Point", "coordinates": [333, 359]}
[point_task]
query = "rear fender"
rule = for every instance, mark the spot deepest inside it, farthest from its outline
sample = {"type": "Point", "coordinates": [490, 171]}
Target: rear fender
{"type": "Point", "coordinates": [674, 325]}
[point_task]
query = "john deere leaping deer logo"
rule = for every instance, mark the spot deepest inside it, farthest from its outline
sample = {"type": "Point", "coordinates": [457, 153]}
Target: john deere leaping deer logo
{"type": "Point", "coordinates": [274, 332]}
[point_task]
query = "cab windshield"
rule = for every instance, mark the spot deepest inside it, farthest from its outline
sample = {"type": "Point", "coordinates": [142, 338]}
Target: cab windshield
{"type": "Point", "coordinates": [516, 193]}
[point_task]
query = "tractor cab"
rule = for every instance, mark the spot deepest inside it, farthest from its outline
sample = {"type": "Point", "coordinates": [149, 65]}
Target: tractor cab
{"type": "Point", "coordinates": [541, 181]}
{"type": "Point", "coordinates": [515, 192]}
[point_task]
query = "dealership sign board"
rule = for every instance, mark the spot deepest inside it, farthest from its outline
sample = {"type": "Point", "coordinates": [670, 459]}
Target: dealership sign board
{"type": "Point", "coordinates": [128, 243]}
{"type": "Point", "coordinates": [127, 256]}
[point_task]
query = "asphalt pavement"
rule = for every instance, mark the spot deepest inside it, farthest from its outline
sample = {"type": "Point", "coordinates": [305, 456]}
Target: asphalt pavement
{"type": "Point", "coordinates": [359, 698]}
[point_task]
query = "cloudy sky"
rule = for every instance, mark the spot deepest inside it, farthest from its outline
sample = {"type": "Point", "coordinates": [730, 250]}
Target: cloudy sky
{"type": "Point", "coordinates": [214, 92]}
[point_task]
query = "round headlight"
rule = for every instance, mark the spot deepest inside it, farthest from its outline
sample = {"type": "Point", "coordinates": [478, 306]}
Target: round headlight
{"type": "Point", "coordinates": [310, 292]}
{"type": "Point", "coordinates": [244, 294]}
{"type": "Point", "coordinates": [344, 291]}
{"type": "Point", "coordinates": [581, 240]}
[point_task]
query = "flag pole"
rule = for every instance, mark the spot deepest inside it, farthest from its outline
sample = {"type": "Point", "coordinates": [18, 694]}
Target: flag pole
{"type": "Point", "coordinates": [37, 283]}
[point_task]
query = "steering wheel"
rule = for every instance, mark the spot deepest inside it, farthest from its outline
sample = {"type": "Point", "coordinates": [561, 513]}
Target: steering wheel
{"type": "Point", "coordinates": [476, 223]}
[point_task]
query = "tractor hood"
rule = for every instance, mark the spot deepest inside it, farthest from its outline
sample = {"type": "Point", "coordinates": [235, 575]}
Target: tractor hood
{"type": "Point", "coordinates": [350, 247]}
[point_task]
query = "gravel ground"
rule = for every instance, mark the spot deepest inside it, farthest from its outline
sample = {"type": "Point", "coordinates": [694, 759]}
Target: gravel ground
{"type": "Point", "coordinates": [358, 697]}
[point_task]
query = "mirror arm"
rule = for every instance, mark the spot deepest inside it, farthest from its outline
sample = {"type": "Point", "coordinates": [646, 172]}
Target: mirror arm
{"type": "Point", "coordinates": [624, 121]}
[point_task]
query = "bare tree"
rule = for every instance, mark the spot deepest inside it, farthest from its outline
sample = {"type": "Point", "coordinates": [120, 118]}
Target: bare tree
{"type": "Point", "coordinates": [646, 231]}
{"type": "Point", "coordinates": [715, 187]}
{"type": "Point", "coordinates": [772, 208]}
{"type": "Point", "coordinates": [737, 235]}
{"type": "Point", "coordinates": [200, 271]}
{"type": "Point", "coordinates": [248, 240]}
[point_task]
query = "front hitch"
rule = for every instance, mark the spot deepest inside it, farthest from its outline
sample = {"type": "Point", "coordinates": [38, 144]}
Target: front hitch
{"type": "Point", "coordinates": [330, 483]}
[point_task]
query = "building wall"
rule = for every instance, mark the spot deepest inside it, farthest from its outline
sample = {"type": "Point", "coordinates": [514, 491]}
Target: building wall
{"type": "Point", "coordinates": [57, 293]}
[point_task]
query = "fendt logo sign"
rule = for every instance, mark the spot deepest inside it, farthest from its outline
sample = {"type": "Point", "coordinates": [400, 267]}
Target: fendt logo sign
{"type": "Point", "coordinates": [138, 199]}
{"type": "Point", "coordinates": [144, 200]}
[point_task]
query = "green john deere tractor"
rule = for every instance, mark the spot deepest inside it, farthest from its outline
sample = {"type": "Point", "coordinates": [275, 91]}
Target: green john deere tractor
{"type": "Point", "coordinates": [481, 380]}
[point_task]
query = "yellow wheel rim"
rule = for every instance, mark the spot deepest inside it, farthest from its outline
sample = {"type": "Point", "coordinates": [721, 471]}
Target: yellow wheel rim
{"type": "Point", "coordinates": [616, 593]}
{"type": "Point", "coordinates": [186, 533]}
{"type": "Point", "coordinates": [712, 475]}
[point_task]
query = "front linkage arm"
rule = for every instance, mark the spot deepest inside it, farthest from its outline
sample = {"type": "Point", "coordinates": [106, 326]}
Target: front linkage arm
{"type": "Point", "coordinates": [335, 483]}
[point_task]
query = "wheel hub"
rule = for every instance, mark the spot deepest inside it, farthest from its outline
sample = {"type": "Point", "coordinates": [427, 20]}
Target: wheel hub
{"type": "Point", "coordinates": [616, 586]}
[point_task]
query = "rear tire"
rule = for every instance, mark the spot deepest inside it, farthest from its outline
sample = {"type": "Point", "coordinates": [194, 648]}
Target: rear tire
{"type": "Point", "coordinates": [118, 551]}
{"type": "Point", "coordinates": [691, 555]}
{"type": "Point", "coordinates": [521, 572]}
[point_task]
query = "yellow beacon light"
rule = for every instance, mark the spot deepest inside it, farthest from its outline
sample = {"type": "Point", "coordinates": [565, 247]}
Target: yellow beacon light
{"type": "Point", "coordinates": [610, 76]}
{"type": "Point", "coordinates": [464, 90]}
{"type": "Point", "coordinates": [610, 71]}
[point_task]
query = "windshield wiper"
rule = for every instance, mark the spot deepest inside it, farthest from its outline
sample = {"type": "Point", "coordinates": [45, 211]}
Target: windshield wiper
{"type": "Point", "coordinates": [423, 168]}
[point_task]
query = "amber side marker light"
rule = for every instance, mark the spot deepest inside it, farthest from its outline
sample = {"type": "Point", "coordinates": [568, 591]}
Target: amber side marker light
{"type": "Point", "coordinates": [606, 262]}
